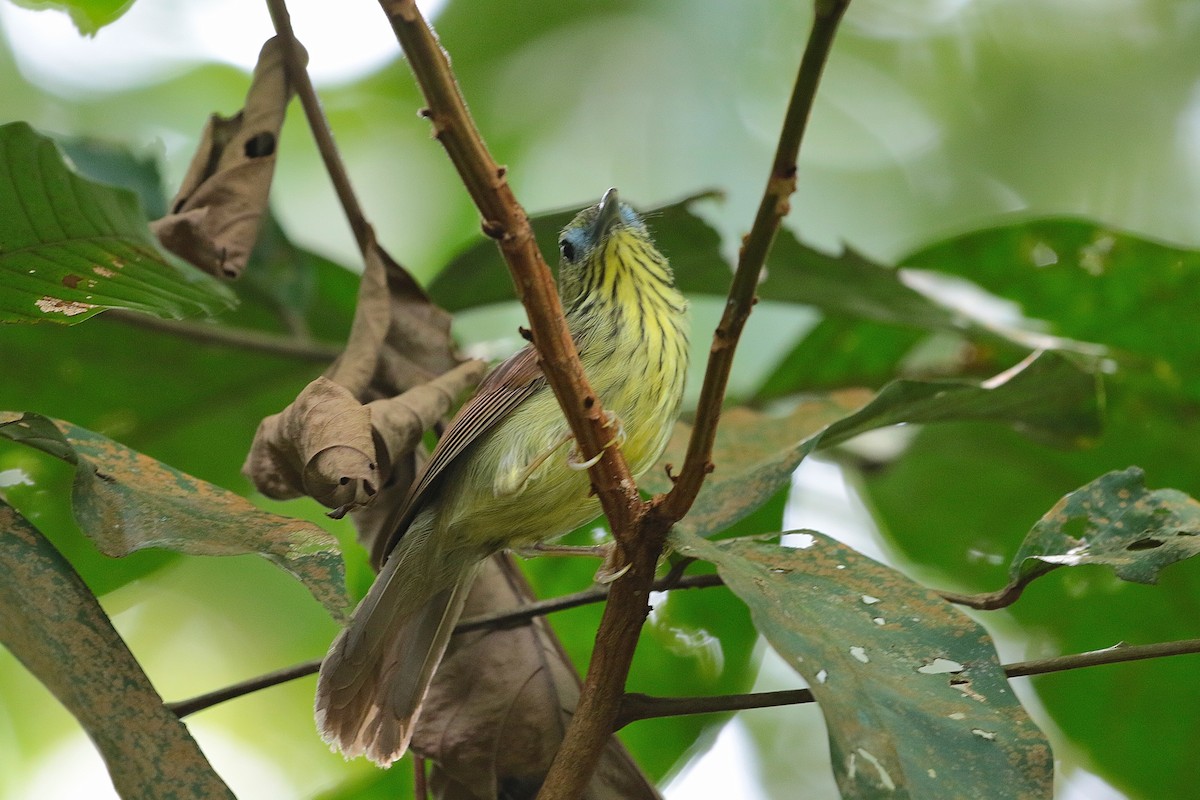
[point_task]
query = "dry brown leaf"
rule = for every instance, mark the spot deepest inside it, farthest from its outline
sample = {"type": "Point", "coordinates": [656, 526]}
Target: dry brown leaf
{"type": "Point", "coordinates": [399, 338]}
{"type": "Point", "coordinates": [500, 703]}
{"type": "Point", "coordinates": [401, 422]}
{"type": "Point", "coordinates": [320, 445]}
{"type": "Point", "coordinates": [331, 447]}
{"type": "Point", "coordinates": [215, 217]}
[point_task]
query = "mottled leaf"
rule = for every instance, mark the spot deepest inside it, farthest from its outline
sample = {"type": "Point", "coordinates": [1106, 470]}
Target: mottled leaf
{"type": "Point", "coordinates": [1048, 396]}
{"type": "Point", "coordinates": [915, 699]}
{"type": "Point", "coordinates": [125, 501]}
{"type": "Point", "coordinates": [500, 702]}
{"type": "Point", "coordinates": [1114, 520]}
{"type": "Point", "coordinates": [54, 626]}
{"type": "Point", "coordinates": [70, 248]}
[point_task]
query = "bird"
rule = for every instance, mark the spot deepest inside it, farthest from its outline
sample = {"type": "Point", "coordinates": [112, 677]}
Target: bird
{"type": "Point", "coordinates": [506, 475]}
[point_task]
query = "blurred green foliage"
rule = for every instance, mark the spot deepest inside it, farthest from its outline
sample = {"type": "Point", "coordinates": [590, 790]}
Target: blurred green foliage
{"type": "Point", "coordinates": [935, 117]}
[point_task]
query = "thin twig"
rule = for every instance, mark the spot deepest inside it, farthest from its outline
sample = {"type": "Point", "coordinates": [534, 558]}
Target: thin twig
{"type": "Point", "coordinates": [420, 778]}
{"type": "Point", "coordinates": [781, 183]}
{"type": "Point", "coordinates": [637, 707]}
{"type": "Point", "coordinates": [505, 619]}
{"type": "Point", "coordinates": [297, 74]}
{"type": "Point", "coordinates": [241, 338]}
{"type": "Point", "coordinates": [190, 706]}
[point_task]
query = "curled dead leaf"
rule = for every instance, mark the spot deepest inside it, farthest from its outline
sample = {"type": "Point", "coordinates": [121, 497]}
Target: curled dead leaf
{"type": "Point", "coordinates": [215, 216]}
{"type": "Point", "coordinates": [320, 445]}
{"type": "Point", "coordinates": [331, 447]}
{"type": "Point", "coordinates": [401, 421]}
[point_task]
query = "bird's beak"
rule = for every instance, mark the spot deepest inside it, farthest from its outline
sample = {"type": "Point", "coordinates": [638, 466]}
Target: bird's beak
{"type": "Point", "coordinates": [610, 213]}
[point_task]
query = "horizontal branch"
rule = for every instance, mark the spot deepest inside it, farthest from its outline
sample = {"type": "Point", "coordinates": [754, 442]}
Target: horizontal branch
{"type": "Point", "coordinates": [240, 338]}
{"type": "Point", "coordinates": [637, 707]}
{"type": "Point", "coordinates": [503, 619]}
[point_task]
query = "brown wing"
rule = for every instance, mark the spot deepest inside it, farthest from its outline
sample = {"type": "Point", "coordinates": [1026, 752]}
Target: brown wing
{"type": "Point", "coordinates": [504, 388]}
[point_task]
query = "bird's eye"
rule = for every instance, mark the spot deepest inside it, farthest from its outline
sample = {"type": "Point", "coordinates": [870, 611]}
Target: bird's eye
{"type": "Point", "coordinates": [567, 249]}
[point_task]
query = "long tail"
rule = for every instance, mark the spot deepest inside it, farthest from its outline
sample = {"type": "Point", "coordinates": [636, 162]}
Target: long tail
{"type": "Point", "coordinates": [375, 676]}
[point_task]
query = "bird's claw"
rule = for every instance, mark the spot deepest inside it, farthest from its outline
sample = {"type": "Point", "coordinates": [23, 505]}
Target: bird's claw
{"type": "Point", "coordinates": [610, 419]}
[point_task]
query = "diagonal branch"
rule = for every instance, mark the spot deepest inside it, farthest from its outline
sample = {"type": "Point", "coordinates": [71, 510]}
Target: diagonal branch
{"type": "Point", "coordinates": [781, 183]}
{"type": "Point", "coordinates": [506, 221]}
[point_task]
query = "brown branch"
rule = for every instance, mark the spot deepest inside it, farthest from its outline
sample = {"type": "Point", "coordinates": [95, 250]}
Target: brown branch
{"type": "Point", "coordinates": [200, 702]}
{"type": "Point", "coordinates": [637, 707]}
{"type": "Point", "coordinates": [774, 206]}
{"type": "Point", "coordinates": [297, 75]}
{"type": "Point", "coordinates": [241, 338]}
{"type": "Point", "coordinates": [506, 221]}
{"type": "Point", "coordinates": [599, 704]}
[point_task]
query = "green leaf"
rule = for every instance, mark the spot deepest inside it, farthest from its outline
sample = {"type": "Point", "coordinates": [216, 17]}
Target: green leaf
{"type": "Point", "coordinates": [53, 624]}
{"type": "Point", "coordinates": [1090, 282]}
{"type": "Point", "coordinates": [915, 699]}
{"type": "Point", "coordinates": [70, 248]}
{"type": "Point", "coordinates": [89, 16]}
{"type": "Point", "coordinates": [1114, 520]}
{"type": "Point", "coordinates": [125, 501]}
{"type": "Point", "coordinates": [1048, 396]}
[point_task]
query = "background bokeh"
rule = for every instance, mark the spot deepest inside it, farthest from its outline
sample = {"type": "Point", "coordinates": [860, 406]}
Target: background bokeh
{"type": "Point", "coordinates": [935, 117]}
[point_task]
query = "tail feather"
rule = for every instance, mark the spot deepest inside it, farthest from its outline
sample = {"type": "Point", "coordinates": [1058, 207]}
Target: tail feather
{"type": "Point", "coordinates": [375, 677]}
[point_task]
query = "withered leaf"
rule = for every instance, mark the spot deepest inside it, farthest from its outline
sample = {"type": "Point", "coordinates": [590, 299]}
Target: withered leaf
{"type": "Point", "coordinates": [320, 445]}
{"type": "Point", "coordinates": [501, 701]}
{"type": "Point", "coordinates": [399, 338]}
{"type": "Point", "coordinates": [216, 215]}
{"type": "Point", "coordinates": [331, 447]}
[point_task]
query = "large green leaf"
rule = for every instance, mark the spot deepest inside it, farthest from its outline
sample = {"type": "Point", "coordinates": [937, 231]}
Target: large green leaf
{"type": "Point", "coordinates": [125, 501]}
{"type": "Point", "coordinates": [1048, 396]}
{"type": "Point", "coordinates": [1090, 282]}
{"type": "Point", "coordinates": [70, 248]}
{"type": "Point", "coordinates": [915, 699]}
{"type": "Point", "coordinates": [53, 624]}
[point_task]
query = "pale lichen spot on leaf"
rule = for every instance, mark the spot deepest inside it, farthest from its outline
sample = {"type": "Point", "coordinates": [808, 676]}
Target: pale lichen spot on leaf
{"type": "Point", "coordinates": [982, 734]}
{"type": "Point", "coordinates": [860, 654]}
{"type": "Point", "coordinates": [68, 308]}
{"type": "Point", "coordinates": [885, 780]}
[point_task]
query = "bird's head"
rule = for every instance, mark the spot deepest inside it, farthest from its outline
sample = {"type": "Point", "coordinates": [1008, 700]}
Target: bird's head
{"type": "Point", "coordinates": [603, 243]}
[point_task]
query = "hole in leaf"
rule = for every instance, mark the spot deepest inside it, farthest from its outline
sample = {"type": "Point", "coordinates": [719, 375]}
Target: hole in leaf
{"type": "Point", "coordinates": [260, 145]}
{"type": "Point", "coordinates": [1145, 544]}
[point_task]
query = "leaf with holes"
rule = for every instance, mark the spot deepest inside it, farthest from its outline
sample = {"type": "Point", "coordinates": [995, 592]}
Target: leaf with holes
{"type": "Point", "coordinates": [125, 501]}
{"type": "Point", "coordinates": [914, 696]}
{"type": "Point", "coordinates": [70, 248]}
{"type": "Point", "coordinates": [1114, 520]}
